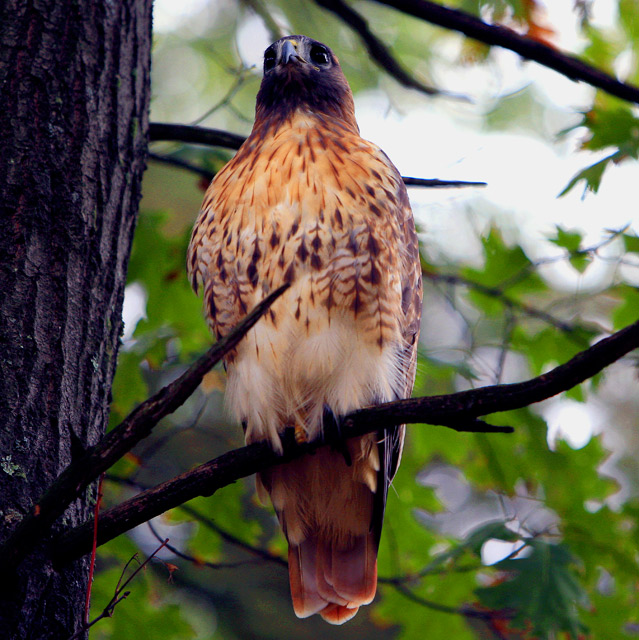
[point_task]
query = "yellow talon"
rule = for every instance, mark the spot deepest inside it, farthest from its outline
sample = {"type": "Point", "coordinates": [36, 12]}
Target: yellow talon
{"type": "Point", "coordinates": [300, 434]}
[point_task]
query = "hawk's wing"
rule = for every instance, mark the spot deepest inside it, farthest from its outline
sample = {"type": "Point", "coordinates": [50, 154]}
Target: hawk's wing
{"type": "Point", "coordinates": [391, 440]}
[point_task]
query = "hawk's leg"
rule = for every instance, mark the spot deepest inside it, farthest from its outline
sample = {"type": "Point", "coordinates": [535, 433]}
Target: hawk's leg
{"type": "Point", "coordinates": [332, 432]}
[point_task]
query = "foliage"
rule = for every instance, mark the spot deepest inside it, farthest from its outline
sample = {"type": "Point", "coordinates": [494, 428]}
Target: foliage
{"type": "Point", "coordinates": [499, 314]}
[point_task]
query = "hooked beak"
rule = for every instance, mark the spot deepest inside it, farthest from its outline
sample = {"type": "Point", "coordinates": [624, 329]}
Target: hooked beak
{"type": "Point", "coordinates": [289, 52]}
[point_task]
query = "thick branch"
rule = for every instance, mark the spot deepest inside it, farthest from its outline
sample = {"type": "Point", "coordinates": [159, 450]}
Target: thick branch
{"type": "Point", "coordinates": [119, 441]}
{"type": "Point", "coordinates": [197, 135]}
{"type": "Point", "coordinates": [458, 411]}
{"type": "Point", "coordinates": [497, 35]}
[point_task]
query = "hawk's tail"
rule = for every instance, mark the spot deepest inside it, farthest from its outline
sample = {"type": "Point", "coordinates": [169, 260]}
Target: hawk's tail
{"type": "Point", "coordinates": [330, 579]}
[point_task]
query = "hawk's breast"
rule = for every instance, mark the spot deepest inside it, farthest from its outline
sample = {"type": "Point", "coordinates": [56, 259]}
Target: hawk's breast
{"type": "Point", "coordinates": [316, 206]}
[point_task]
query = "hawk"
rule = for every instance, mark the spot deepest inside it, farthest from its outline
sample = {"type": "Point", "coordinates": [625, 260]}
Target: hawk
{"type": "Point", "coordinates": [307, 201]}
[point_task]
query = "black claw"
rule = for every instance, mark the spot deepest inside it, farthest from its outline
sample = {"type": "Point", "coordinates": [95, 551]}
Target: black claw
{"type": "Point", "coordinates": [332, 432]}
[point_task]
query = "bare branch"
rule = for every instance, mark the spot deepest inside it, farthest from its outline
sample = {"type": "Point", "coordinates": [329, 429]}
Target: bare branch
{"type": "Point", "coordinates": [181, 164]}
{"type": "Point", "coordinates": [217, 138]}
{"type": "Point", "coordinates": [136, 426]}
{"type": "Point", "coordinates": [498, 293]}
{"type": "Point", "coordinates": [377, 49]}
{"type": "Point", "coordinates": [240, 79]}
{"type": "Point", "coordinates": [198, 562]}
{"type": "Point", "coordinates": [466, 611]}
{"type": "Point", "coordinates": [434, 183]}
{"type": "Point", "coordinates": [497, 35]}
{"type": "Point", "coordinates": [457, 411]}
{"type": "Point", "coordinates": [273, 28]}
{"type": "Point", "coordinates": [196, 135]}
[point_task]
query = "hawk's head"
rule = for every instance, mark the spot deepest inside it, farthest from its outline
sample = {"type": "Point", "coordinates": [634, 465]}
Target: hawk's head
{"type": "Point", "coordinates": [301, 73]}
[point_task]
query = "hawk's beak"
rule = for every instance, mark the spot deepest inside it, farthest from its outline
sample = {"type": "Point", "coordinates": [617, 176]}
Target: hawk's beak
{"type": "Point", "coordinates": [289, 52]}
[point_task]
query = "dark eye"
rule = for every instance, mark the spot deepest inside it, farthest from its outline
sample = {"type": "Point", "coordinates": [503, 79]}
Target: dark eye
{"type": "Point", "coordinates": [319, 54]}
{"type": "Point", "coordinates": [269, 59]}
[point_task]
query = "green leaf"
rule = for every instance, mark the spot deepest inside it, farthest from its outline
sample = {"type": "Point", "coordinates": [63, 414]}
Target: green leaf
{"type": "Point", "coordinates": [477, 538]}
{"type": "Point", "coordinates": [600, 51]}
{"type": "Point", "coordinates": [590, 175]}
{"type": "Point", "coordinates": [225, 510]}
{"type": "Point", "coordinates": [612, 128]}
{"type": "Point", "coordinates": [629, 19]}
{"type": "Point", "coordinates": [570, 240]}
{"type": "Point", "coordinates": [543, 591]}
{"type": "Point", "coordinates": [628, 311]}
{"type": "Point", "coordinates": [507, 274]}
{"type": "Point", "coordinates": [580, 261]}
{"type": "Point", "coordinates": [129, 387]}
{"type": "Point", "coordinates": [631, 242]}
{"type": "Point", "coordinates": [173, 311]}
{"type": "Point", "coordinates": [500, 260]}
{"type": "Point", "coordinates": [549, 346]}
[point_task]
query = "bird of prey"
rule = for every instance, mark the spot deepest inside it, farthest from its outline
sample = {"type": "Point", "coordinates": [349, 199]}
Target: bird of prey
{"type": "Point", "coordinates": [307, 201]}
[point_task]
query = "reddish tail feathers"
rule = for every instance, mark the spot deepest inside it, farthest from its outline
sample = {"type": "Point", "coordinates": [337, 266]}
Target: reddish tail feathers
{"type": "Point", "coordinates": [330, 580]}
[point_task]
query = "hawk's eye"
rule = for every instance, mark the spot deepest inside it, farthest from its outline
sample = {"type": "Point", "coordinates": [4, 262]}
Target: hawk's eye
{"type": "Point", "coordinates": [319, 54]}
{"type": "Point", "coordinates": [269, 59]}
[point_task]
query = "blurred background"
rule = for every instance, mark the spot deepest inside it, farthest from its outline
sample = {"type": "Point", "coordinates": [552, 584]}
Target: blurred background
{"type": "Point", "coordinates": [530, 535]}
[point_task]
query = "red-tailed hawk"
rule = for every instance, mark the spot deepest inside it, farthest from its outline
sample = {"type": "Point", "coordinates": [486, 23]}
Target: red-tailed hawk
{"type": "Point", "coordinates": [308, 202]}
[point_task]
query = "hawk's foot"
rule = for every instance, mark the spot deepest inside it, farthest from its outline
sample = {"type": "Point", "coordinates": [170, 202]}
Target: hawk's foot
{"type": "Point", "coordinates": [332, 431]}
{"type": "Point", "coordinates": [300, 434]}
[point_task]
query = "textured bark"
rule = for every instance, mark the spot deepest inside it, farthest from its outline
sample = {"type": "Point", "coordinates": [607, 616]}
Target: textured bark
{"type": "Point", "coordinates": [74, 93]}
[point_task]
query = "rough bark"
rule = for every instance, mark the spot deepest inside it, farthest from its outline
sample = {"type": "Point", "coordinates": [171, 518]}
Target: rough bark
{"type": "Point", "coordinates": [74, 93]}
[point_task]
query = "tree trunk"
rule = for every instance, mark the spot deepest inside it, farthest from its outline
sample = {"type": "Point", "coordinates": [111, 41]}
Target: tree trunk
{"type": "Point", "coordinates": [74, 96]}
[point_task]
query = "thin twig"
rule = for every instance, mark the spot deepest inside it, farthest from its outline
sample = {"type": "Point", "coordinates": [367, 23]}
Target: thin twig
{"type": "Point", "coordinates": [182, 164]}
{"type": "Point", "coordinates": [227, 536]}
{"type": "Point", "coordinates": [198, 561]}
{"type": "Point", "coordinates": [498, 293]}
{"type": "Point", "coordinates": [194, 514]}
{"type": "Point", "coordinates": [509, 327]}
{"type": "Point", "coordinates": [457, 411]}
{"type": "Point", "coordinates": [240, 78]}
{"type": "Point", "coordinates": [106, 613]}
{"type": "Point", "coordinates": [273, 28]}
{"type": "Point", "coordinates": [594, 249]}
{"type": "Point", "coordinates": [431, 569]}
{"type": "Point", "coordinates": [497, 35]}
{"type": "Point", "coordinates": [467, 612]}
{"type": "Point", "coordinates": [119, 594]}
{"type": "Point", "coordinates": [434, 567]}
{"type": "Point", "coordinates": [378, 50]}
